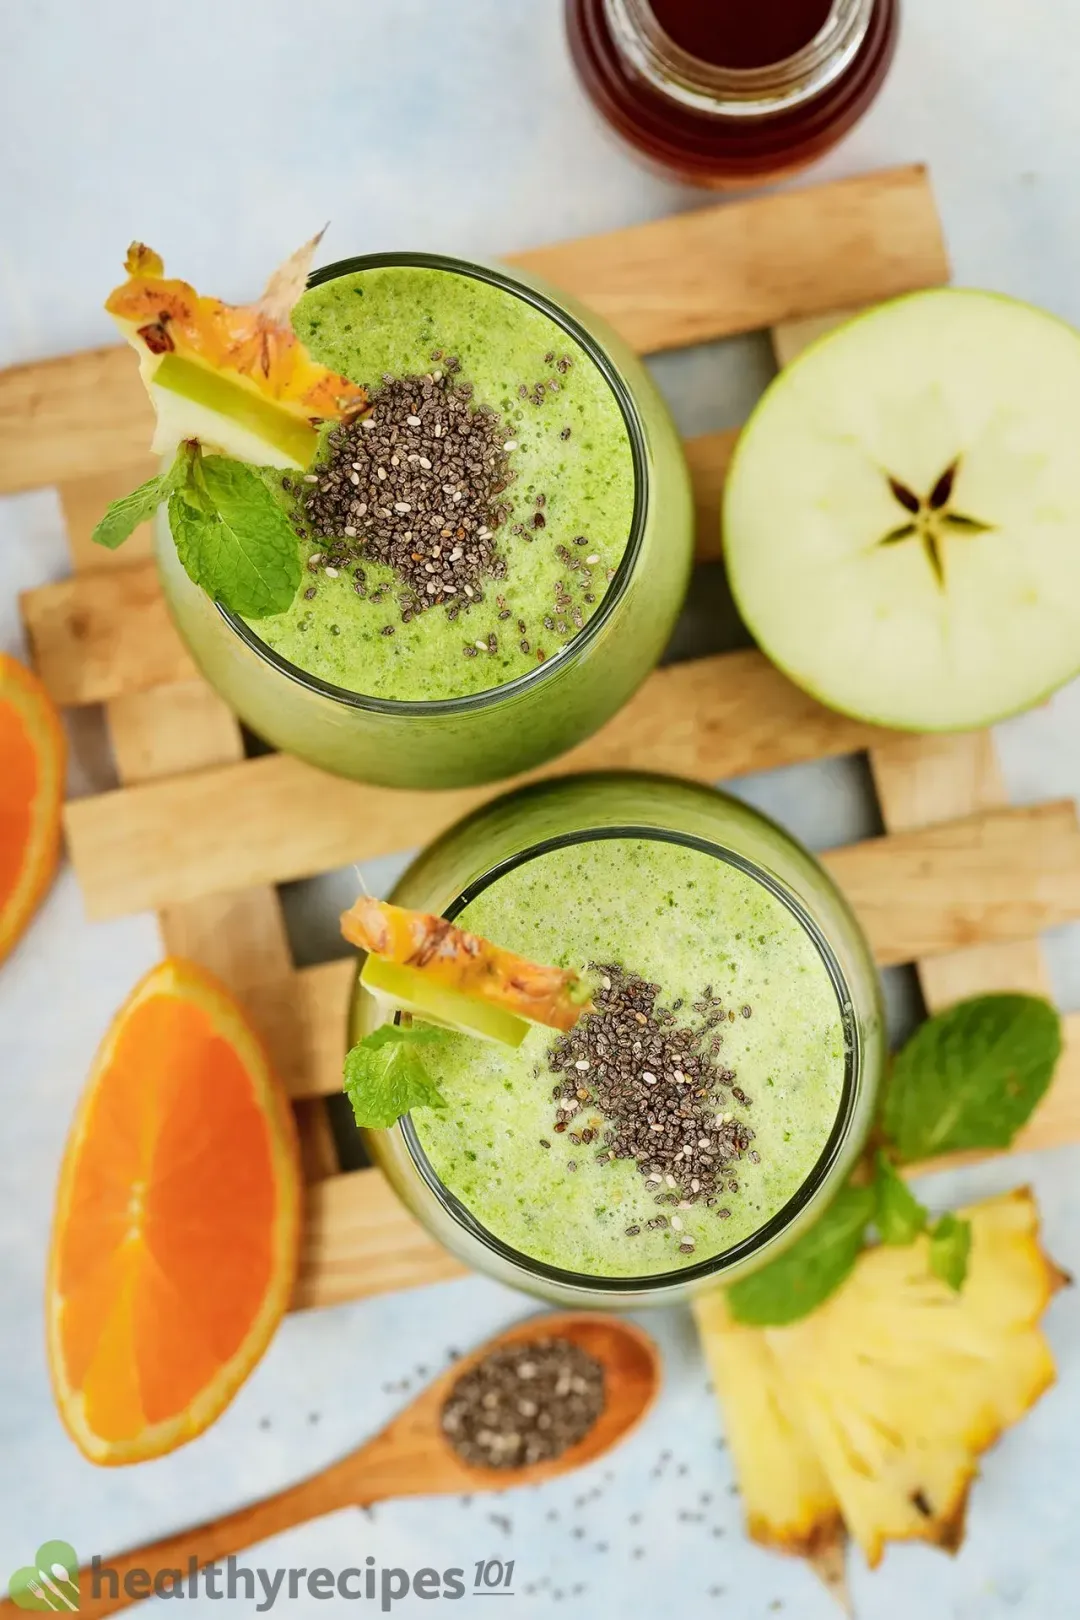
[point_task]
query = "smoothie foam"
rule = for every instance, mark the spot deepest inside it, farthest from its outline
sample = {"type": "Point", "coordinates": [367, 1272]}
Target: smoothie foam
{"type": "Point", "coordinates": [572, 452]}
{"type": "Point", "coordinates": [684, 919]}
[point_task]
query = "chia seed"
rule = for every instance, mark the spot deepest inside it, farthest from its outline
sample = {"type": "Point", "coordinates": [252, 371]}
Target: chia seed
{"type": "Point", "coordinates": [658, 1092]}
{"type": "Point", "coordinates": [523, 1404]}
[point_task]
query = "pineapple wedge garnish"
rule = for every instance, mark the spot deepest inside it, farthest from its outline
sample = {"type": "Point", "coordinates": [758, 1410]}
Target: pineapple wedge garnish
{"type": "Point", "coordinates": [422, 960]}
{"type": "Point", "coordinates": [894, 1386]}
{"type": "Point", "coordinates": [233, 376]}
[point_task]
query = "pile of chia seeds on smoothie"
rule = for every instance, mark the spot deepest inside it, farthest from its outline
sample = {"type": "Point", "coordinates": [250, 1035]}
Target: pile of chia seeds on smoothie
{"type": "Point", "coordinates": [419, 483]}
{"type": "Point", "coordinates": [640, 1085]}
{"type": "Point", "coordinates": [524, 1403]}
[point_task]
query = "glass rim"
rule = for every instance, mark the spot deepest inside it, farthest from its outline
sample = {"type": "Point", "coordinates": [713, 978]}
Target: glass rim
{"type": "Point", "coordinates": [617, 587]}
{"type": "Point", "coordinates": [831, 1152]}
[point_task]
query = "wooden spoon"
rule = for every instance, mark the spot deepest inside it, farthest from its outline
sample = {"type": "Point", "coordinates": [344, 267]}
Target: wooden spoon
{"type": "Point", "coordinates": [411, 1457]}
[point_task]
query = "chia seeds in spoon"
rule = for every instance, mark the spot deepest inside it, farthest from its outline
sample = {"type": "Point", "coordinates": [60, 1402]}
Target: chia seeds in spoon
{"type": "Point", "coordinates": [524, 1403]}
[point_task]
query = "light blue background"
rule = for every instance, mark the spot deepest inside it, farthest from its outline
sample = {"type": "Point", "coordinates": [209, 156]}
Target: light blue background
{"type": "Point", "coordinates": [223, 132]}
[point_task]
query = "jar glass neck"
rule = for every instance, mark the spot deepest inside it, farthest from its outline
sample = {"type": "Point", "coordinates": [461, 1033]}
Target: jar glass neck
{"type": "Point", "coordinates": [754, 92]}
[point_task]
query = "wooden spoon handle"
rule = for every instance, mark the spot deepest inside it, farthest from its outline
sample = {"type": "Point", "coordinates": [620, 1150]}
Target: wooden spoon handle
{"type": "Point", "coordinates": [102, 1589]}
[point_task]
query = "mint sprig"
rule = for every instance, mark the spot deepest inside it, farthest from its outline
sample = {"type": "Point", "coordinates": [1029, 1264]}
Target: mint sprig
{"type": "Point", "coordinates": [971, 1077]}
{"type": "Point", "coordinates": [233, 537]}
{"type": "Point", "coordinates": [803, 1277]}
{"type": "Point", "coordinates": [124, 516]}
{"type": "Point", "coordinates": [385, 1076]}
{"type": "Point", "coordinates": [899, 1217]}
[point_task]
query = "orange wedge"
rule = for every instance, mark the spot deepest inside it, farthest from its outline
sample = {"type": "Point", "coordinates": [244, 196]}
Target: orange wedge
{"type": "Point", "coordinates": [177, 1220]}
{"type": "Point", "coordinates": [32, 752]}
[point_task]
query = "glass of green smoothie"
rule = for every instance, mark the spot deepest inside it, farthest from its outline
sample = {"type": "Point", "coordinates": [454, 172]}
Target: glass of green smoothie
{"type": "Point", "coordinates": [701, 1117]}
{"type": "Point", "coordinates": [493, 558]}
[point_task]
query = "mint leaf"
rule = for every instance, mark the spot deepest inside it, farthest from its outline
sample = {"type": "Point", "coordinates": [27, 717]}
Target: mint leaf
{"type": "Point", "coordinates": [950, 1249]}
{"type": "Point", "coordinates": [385, 1075]}
{"type": "Point", "coordinates": [248, 555]}
{"type": "Point", "coordinates": [804, 1276]}
{"type": "Point", "coordinates": [899, 1217]}
{"type": "Point", "coordinates": [122, 517]}
{"type": "Point", "coordinates": [972, 1076]}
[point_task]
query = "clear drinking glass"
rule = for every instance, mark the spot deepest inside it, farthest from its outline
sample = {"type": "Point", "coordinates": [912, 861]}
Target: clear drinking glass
{"type": "Point", "coordinates": [496, 733]}
{"type": "Point", "coordinates": [523, 824]}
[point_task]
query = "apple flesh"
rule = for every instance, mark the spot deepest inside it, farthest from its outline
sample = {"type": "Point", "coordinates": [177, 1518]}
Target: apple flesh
{"type": "Point", "coordinates": [902, 513]}
{"type": "Point", "coordinates": [193, 402]}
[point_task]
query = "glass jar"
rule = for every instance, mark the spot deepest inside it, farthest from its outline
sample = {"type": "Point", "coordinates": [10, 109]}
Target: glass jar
{"type": "Point", "coordinates": [495, 733]}
{"type": "Point", "coordinates": [724, 125]}
{"type": "Point", "coordinates": [527, 822]}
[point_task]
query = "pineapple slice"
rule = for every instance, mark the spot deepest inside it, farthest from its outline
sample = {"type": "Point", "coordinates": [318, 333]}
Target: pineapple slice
{"type": "Point", "coordinates": [788, 1501]}
{"type": "Point", "coordinates": [901, 1383]}
{"type": "Point", "coordinates": [893, 1387]}
{"type": "Point", "coordinates": [235, 377]}
{"type": "Point", "coordinates": [437, 957]}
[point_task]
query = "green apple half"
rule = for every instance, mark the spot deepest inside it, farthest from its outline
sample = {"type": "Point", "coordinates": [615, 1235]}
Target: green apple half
{"type": "Point", "coordinates": [902, 513]}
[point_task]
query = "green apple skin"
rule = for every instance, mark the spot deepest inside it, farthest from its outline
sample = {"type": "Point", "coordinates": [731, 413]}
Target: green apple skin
{"type": "Point", "coordinates": [192, 401]}
{"type": "Point", "coordinates": [1042, 354]}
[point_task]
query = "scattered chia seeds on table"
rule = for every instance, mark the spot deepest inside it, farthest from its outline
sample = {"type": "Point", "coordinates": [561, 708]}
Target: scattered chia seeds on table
{"type": "Point", "coordinates": [524, 1403]}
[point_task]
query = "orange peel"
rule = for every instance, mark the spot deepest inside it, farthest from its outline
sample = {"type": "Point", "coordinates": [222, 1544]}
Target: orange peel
{"type": "Point", "coordinates": [177, 1221]}
{"type": "Point", "coordinates": [33, 750]}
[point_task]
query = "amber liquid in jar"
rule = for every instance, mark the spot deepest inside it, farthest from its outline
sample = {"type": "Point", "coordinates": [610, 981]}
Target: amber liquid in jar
{"type": "Point", "coordinates": [732, 92]}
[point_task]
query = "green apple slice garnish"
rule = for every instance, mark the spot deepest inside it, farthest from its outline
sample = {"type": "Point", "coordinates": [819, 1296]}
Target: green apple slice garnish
{"type": "Point", "coordinates": [902, 514]}
{"type": "Point", "coordinates": [410, 990]}
{"type": "Point", "coordinates": [193, 402]}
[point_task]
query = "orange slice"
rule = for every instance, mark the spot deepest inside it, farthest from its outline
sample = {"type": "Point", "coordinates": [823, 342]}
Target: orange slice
{"type": "Point", "coordinates": [32, 753]}
{"type": "Point", "coordinates": [438, 953]}
{"type": "Point", "coordinates": [177, 1220]}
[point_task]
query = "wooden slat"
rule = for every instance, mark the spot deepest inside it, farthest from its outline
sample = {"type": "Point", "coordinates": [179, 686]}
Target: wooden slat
{"type": "Point", "coordinates": [322, 1006]}
{"type": "Point", "coordinates": [71, 418]}
{"type": "Point", "coordinates": [921, 780]}
{"type": "Point", "coordinates": [84, 499]}
{"type": "Point", "coordinates": [998, 876]}
{"type": "Point", "coordinates": [145, 748]}
{"type": "Point", "coordinates": [709, 458]}
{"type": "Point", "coordinates": [137, 849]}
{"type": "Point", "coordinates": [685, 279]}
{"type": "Point", "coordinates": [359, 1240]}
{"type": "Point", "coordinates": [741, 266]}
{"type": "Point", "coordinates": [106, 633]}
{"type": "Point", "coordinates": [993, 877]}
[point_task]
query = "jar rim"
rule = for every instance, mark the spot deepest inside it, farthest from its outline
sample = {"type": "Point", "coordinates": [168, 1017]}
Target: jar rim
{"type": "Point", "coordinates": [746, 93]}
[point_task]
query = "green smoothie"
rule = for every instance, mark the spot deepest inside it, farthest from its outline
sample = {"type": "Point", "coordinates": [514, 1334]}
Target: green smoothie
{"type": "Point", "coordinates": [732, 979]}
{"type": "Point", "coordinates": [555, 532]}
